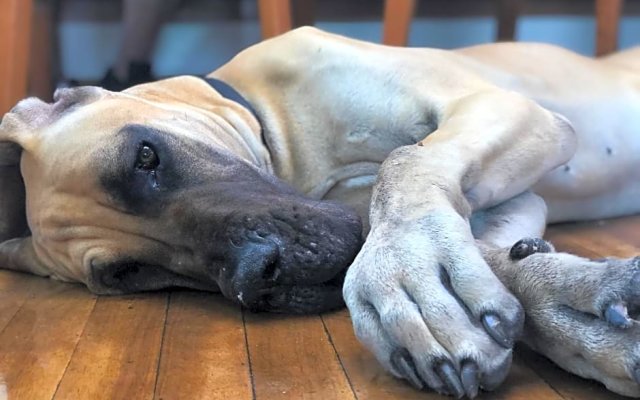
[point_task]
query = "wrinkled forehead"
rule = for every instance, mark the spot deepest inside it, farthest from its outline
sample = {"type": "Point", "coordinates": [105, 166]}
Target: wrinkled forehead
{"type": "Point", "coordinates": [105, 118]}
{"type": "Point", "coordinates": [108, 121]}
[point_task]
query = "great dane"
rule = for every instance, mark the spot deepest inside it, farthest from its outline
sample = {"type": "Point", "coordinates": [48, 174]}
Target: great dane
{"type": "Point", "coordinates": [255, 180]}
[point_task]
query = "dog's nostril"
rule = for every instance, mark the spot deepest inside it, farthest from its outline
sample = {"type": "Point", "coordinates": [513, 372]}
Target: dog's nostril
{"type": "Point", "coordinates": [235, 242]}
{"type": "Point", "coordinates": [265, 300]}
{"type": "Point", "coordinates": [262, 234]}
{"type": "Point", "coordinates": [271, 272]}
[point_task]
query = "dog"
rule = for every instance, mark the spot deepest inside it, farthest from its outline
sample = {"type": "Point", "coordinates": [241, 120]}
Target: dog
{"type": "Point", "coordinates": [262, 179]}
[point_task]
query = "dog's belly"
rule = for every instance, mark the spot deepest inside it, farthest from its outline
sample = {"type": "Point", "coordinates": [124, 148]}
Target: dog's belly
{"type": "Point", "coordinates": [603, 178]}
{"type": "Point", "coordinates": [603, 104]}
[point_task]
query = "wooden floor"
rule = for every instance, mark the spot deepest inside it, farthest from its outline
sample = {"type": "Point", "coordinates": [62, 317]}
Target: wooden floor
{"type": "Point", "coordinates": [59, 341]}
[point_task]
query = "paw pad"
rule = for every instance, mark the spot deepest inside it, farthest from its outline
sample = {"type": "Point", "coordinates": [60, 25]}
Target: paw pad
{"type": "Point", "coordinates": [528, 246]}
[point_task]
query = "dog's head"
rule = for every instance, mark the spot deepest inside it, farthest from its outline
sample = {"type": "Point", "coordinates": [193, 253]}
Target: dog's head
{"type": "Point", "coordinates": [166, 184]}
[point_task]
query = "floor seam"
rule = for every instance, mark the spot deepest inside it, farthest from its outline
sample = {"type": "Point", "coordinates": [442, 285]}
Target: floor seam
{"type": "Point", "coordinates": [30, 295]}
{"type": "Point", "coordinates": [344, 370]}
{"type": "Point", "coordinates": [246, 346]}
{"type": "Point", "coordinates": [553, 388]}
{"type": "Point", "coordinates": [13, 316]}
{"type": "Point", "coordinates": [164, 330]}
{"type": "Point", "coordinates": [75, 348]}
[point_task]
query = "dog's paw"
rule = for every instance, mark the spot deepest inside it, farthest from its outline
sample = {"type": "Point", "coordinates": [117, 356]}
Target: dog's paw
{"type": "Point", "coordinates": [580, 312]}
{"type": "Point", "coordinates": [426, 303]}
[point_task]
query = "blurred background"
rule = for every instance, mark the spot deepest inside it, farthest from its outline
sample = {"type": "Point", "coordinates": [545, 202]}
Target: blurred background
{"type": "Point", "coordinates": [116, 43]}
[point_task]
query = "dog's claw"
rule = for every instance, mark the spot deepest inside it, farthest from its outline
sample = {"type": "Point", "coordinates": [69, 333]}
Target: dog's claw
{"type": "Point", "coordinates": [449, 376]}
{"type": "Point", "coordinates": [496, 330]}
{"type": "Point", "coordinates": [528, 246]}
{"type": "Point", "coordinates": [469, 377]}
{"type": "Point", "coordinates": [616, 314]}
{"type": "Point", "coordinates": [401, 360]}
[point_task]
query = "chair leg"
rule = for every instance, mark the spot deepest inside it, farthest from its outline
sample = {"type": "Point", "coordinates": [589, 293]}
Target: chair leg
{"type": "Point", "coordinates": [397, 20]}
{"type": "Point", "coordinates": [15, 25]}
{"type": "Point", "coordinates": [42, 47]}
{"type": "Point", "coordinates": [275, 17]}
{"type": "Point", "coordinates": [508, 12]}
{"type": "Point", "coordinates": [607, 21]}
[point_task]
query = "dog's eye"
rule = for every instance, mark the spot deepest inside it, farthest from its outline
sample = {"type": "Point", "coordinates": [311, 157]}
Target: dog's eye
{"type": "Point", "coordinates": [147, 158]}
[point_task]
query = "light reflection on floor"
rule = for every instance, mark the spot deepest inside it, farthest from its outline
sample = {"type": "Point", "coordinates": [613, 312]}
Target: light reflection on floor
{"type": "Point", "coordinates": [3, 389]}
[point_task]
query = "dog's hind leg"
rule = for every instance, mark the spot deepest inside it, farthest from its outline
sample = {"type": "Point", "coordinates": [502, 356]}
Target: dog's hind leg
{"type": "Point", "coordinates": [576, 309]}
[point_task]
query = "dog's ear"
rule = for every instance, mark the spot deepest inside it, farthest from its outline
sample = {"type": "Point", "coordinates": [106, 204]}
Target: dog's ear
{"type": "Point", "coordinates": [13, 217]}
{"type": "Point", "coordinates": [16, 134]}
{"type": "Point", "coordinates": [20, 132]}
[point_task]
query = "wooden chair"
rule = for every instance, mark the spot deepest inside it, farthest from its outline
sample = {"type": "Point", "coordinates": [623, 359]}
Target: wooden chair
{"type": "Point", "coordinates": [607, 23]}
{"type": "Point", "coordinates": [15, 43]}
{"type": "Point", "coordinates": [398, 15]}
{"type": "Point", "coordinates": [275, 18]}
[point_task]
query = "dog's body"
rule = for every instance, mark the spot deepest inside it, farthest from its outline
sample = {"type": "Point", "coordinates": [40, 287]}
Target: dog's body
{"type": "Point", "coordinates": [418, 86]}
{"type": "Point", "coordinates": [456, 141]}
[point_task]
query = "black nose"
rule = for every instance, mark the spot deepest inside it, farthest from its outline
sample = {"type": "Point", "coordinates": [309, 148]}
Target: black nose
{"type": "Point", "coordinates": [256, 271]}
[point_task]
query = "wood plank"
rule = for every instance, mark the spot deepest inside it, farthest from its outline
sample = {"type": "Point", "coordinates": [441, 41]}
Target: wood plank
{"type": "Point", "coordinates": [564, 243]}
{"type": "Point", "coordinates": [615, 237]}
{"type": "Point", "coordinates": [370, 381]}
{"type": "Point", "coordinates": [36, 345]}
{"type": "Point", "coordinates": [117, 356]}
{"type": "Point", "coordinates": [292, 358]}
{"type": "Point", "coordinates": [15, 289]}
{"type": "Point", "coordinates": [204, 351]}
{"type": "Point", "coordinates": [599, 242]}
{"type": "Point", "coordinates": [623, 229]}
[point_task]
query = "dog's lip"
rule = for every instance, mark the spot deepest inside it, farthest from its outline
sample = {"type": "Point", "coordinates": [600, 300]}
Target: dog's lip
{"type": "Point", "coordinates": [266, 299]}
{"type": "Point", "coordinates": [336, 281]}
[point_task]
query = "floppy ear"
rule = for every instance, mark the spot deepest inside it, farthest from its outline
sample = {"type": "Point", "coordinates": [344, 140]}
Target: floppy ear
{"type": "Point", "coordinates": [18, 134]}
{"type": "Point", "coordinates": [16, 251]}
{"type": "Point", "coordinates": [13, 220]}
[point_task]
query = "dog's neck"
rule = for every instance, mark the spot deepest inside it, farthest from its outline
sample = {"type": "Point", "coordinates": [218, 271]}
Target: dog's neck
{"type": "Point", "coordinates": [228, 92]}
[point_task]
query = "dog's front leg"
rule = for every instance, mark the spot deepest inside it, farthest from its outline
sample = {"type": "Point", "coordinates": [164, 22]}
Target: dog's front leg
{"type": "Point", "coordinates": [420, 294]}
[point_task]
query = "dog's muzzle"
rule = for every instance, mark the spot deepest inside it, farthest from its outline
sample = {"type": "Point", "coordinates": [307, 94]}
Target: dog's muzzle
{"type": "Point", "coordinates": [291, 259]}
